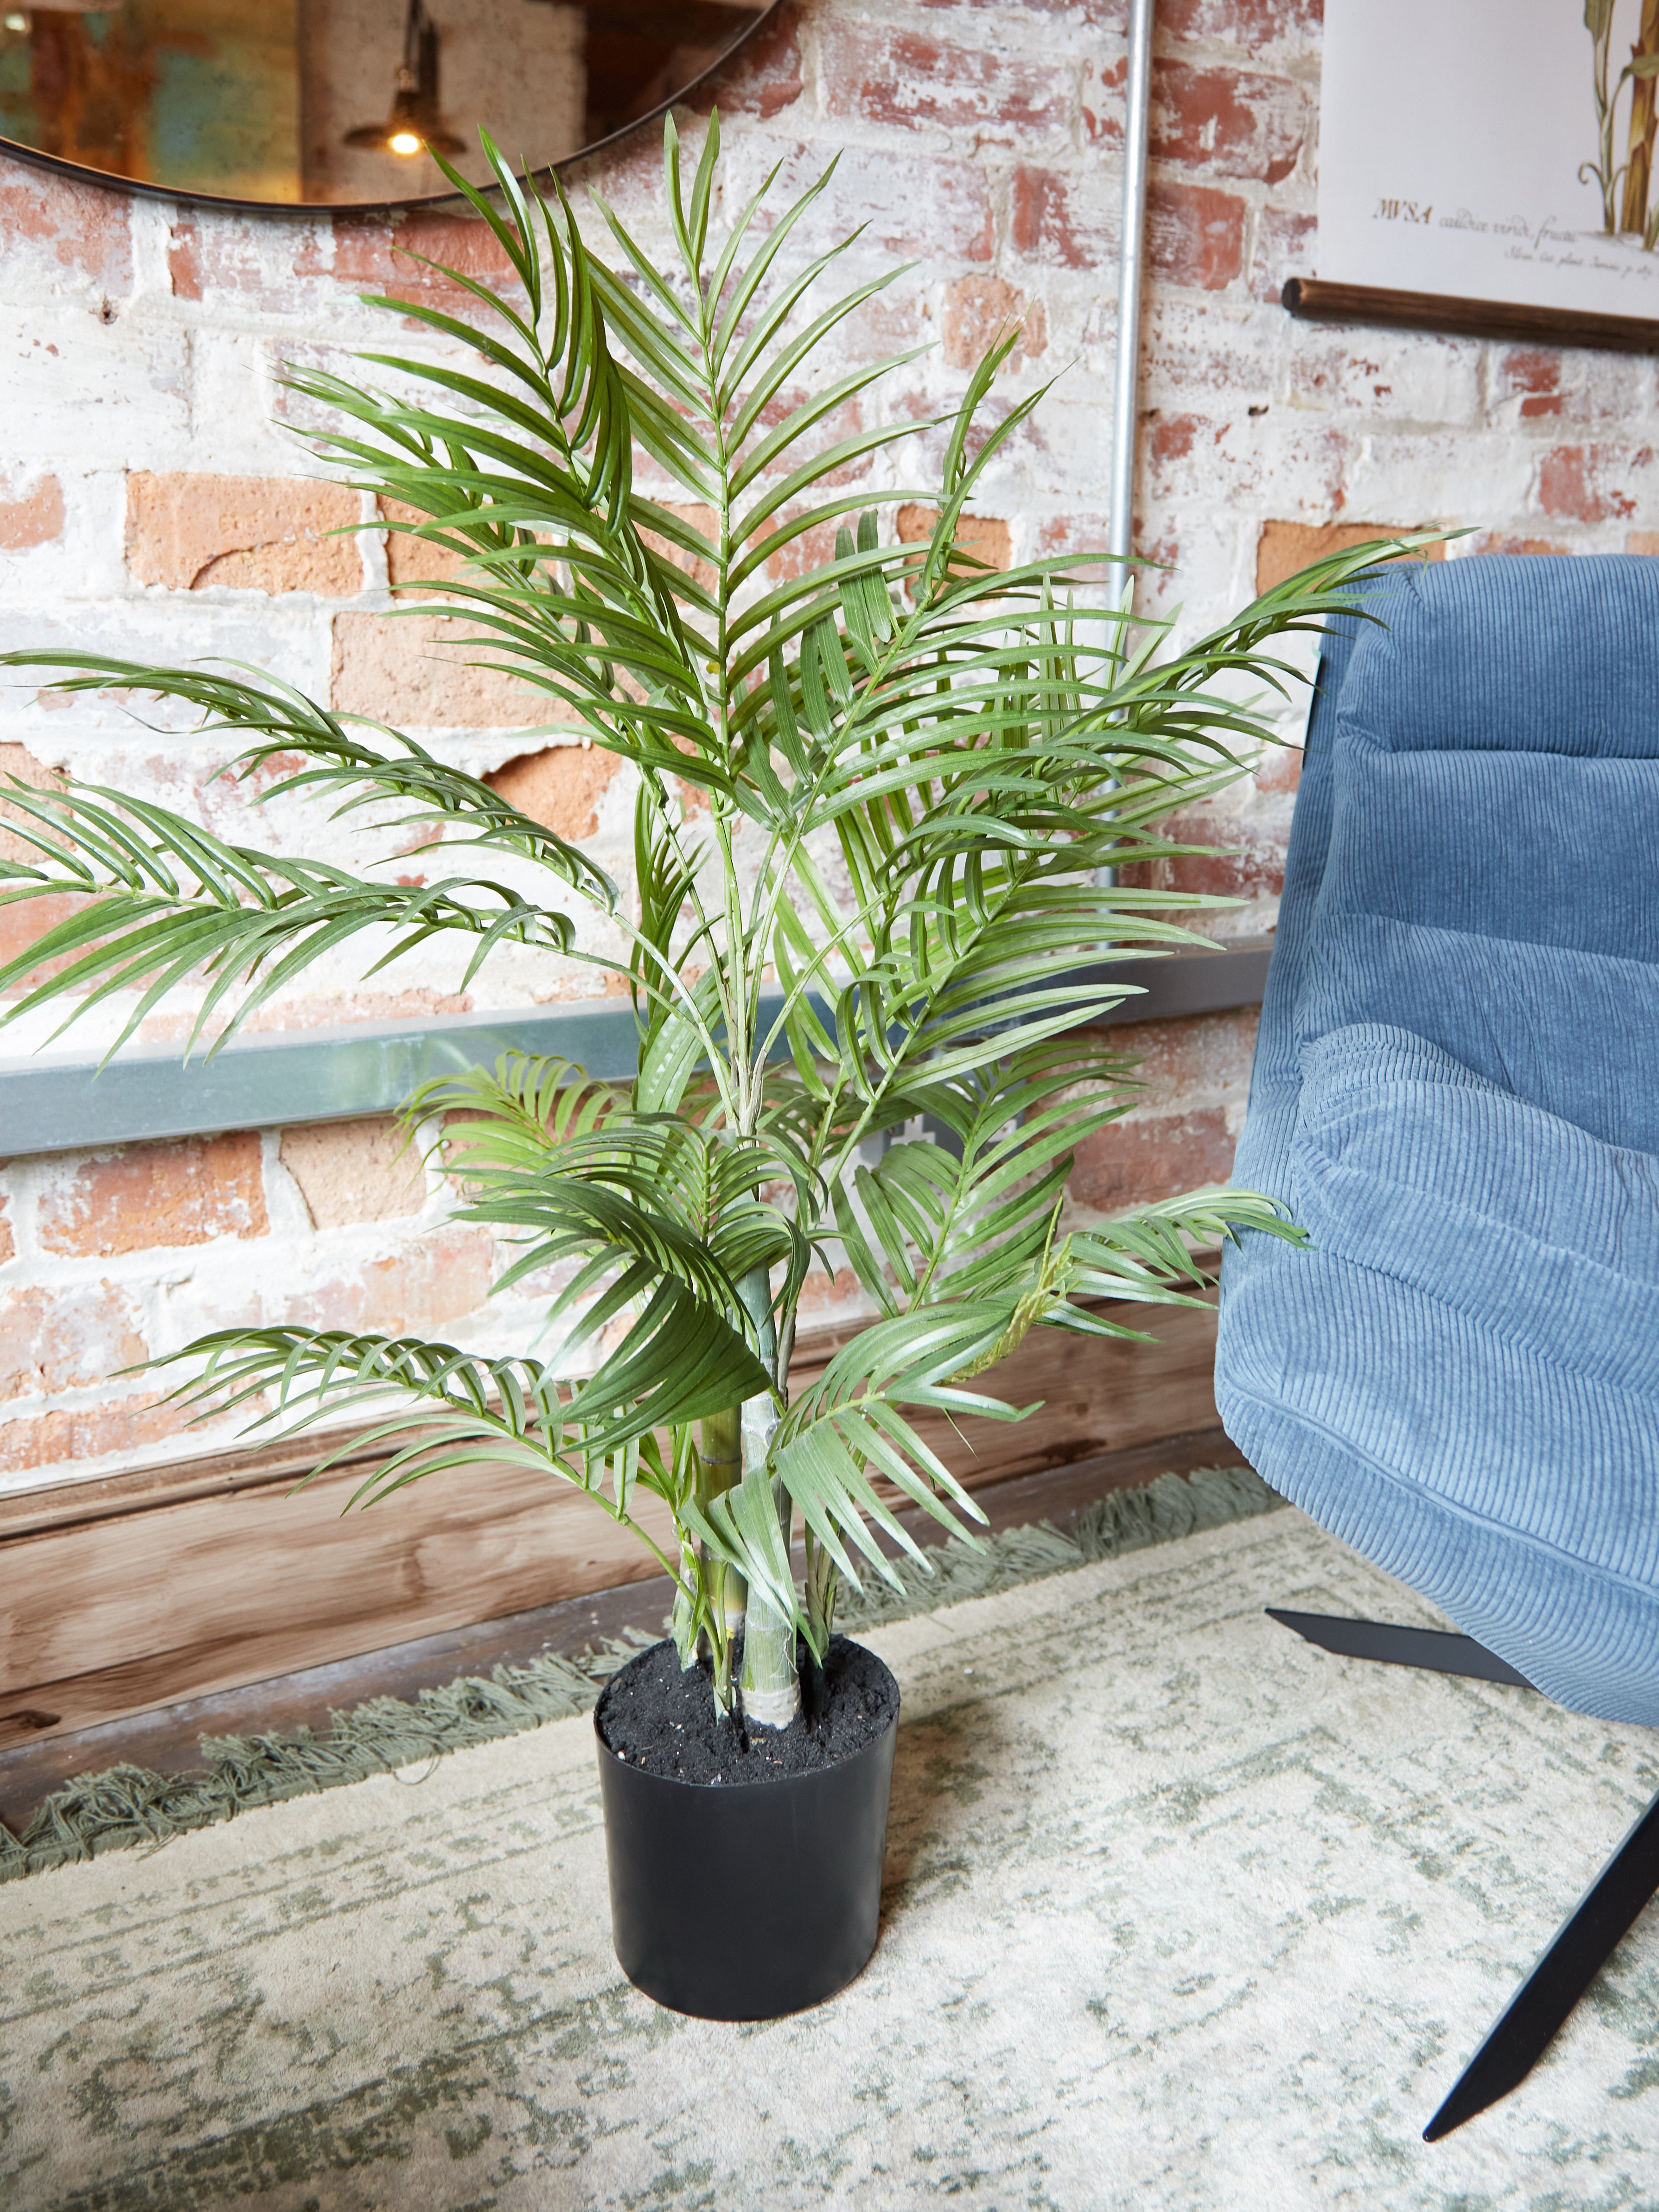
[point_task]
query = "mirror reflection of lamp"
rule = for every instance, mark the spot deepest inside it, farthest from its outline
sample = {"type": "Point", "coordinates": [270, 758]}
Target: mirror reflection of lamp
{"type": "Point", "coordinates": [415, 124]}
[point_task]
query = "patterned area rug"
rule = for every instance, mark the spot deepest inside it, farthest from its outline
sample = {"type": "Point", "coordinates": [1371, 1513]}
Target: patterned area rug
{"type": "Point", "coordinates": [1181, 1913]}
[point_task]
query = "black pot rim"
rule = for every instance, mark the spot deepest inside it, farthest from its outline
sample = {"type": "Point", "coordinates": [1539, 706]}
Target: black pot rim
{"type": "Point", "coordinates": [767, 1781]}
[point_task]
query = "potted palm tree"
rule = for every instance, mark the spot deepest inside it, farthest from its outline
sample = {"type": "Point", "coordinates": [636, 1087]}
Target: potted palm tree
{"type": "Point", "coordinates": [883, 798]}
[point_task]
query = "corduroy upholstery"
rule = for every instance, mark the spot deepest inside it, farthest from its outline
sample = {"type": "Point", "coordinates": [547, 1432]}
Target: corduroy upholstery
{"type": "Point", "coordinates": [1456, 1094]}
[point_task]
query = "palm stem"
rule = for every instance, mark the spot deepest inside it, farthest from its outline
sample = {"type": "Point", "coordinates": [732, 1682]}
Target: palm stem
{"type": "Point", "coordinates": [771, 1677]}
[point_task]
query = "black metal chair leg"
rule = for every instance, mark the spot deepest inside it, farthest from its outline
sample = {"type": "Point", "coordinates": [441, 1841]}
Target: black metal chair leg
{"type": "Point", "coordinates": [1433, 1649]}
{"type": "Point", "coordinates": [1541, 2004]}
{"type": "Point", "coordinates": [1591, 1933]}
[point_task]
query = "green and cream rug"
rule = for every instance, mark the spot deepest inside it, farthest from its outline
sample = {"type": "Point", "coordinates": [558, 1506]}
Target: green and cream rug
{"type": "Point", "coordinates": [1181, 1913]}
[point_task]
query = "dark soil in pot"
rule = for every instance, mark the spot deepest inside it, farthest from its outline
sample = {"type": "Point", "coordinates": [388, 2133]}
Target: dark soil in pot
{"type": "Point", "coordinates": [662, 1719]}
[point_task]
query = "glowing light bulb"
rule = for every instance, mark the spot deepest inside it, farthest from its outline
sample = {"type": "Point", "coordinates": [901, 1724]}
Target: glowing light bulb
{"type": "Point", "coordinates": [404, 142]}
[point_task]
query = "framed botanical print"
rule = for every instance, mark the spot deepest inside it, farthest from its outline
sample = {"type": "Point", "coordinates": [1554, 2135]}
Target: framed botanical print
{"type": "Point", "coordinates": [1490, 166]}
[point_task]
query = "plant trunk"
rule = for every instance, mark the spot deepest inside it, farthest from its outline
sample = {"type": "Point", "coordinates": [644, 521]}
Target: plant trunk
{"type": "Point", "coordinates": [720, 1451]}
{"type": "Point", "coordinates": [719, 1462]}
{"type": "Point", "coordinates": [1643, 115]}
{"type": "Point", "coordinates": [771, 1678]}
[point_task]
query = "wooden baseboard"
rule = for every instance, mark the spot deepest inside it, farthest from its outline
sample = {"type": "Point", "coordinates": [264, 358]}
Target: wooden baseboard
{"type": "Point", "coordinates": [167, 1739]}
{"type": "Point", "coordinates": [121, 1597]}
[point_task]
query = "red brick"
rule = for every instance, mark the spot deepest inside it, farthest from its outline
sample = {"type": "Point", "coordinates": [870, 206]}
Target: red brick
{"type": "Point", "coordinates": [979, 310]}
{"type": "Point", "coordinates": [1280, 771]}
{"type": "Point", "coordinates": [8, 1241]}
{"type": "Point", "coordinates": [1055, 223]}
{"type": "Point", "coordinates": [1284, 248]}
{"type": "Point", "coordinates": [1283, 548]}
{"type": "Point", "coordinates": [1076, 15]}
{"type": "Point", "coordinates": [184, 258]}
{"type": "Point", "coordinates": [561, 786]}
{"type": "Point", "coordinates": [157, 1197]}
{"type": "Point", "coordinates": [270, 534]}
{"type": "Point", "coordinates": [419, 672]}
{"type": "Point", "coordinates": [1534, 374]}
{"type": "Point", "coordinates": [415, 565]}
{"type": "Point", "coordinates": [1586, 483]}
{"type": "Point", "coordinates": [350, 1172]}
{"type": "Point", "coordinates": [884, 325]}
{"type": "Point", "coordinates": [19, 765]}
{"type": "Point", "coordinates": [1195, 236]}
{"type": "Point", "coordinates": [1207, 1054]}
{"type": "Point", "coordinates": [429, 1284]}
{"type": "Point", "coordinates": [211, 255]}
{"type": "Point", "coordinates": [889, 76]}
{"type": "Point", "coordinates": [95, 1432]}
{"type": "Point", "coordinates": [83, 226]}
{"type": "Point", "coordinates": [1180, 354]}
{"type": "Point", "coordinates": [1174, 437]}
{"type": "Point", "coordinates": [1249, 862]}
{"type": "Point", "coordinates": [811, 549]}
{"type": "Point", "coordinates": [831, 1294]}
{"type": "Point", "coordinates": [1545, 384]}
{"type": "Point", "coordinates": [64, 1340]}
{"type": "Point", "coordinates": [1227, 122]}
{"type": "Point", "coordinates": [846, 421]}
{"type": "Point", "coordinates": [383, 254]}
{"type": "Point", "coordinates": [1510, 542]}
{"type": "Point", "coordinates": [1190, 457]}
{"type": "Point", "coordinates": [1139, 1162]}
{"type": "Point", "coordinates": [984, 535]}
{"type": "Point", "coordinates": [1074, 533]}
{"type": "Point", "coordinates": [909, 205]}
{"type": "Point", "coordinates": [764, 79]}
{"type": "Point", "coordinates": [33, 516]}
{"type": "Point", "coordinates": [24, 922]}
{"type": "Point", "coordinates": [330, 1009]}
{"type": "Point", "coordinates": [1250, 24]}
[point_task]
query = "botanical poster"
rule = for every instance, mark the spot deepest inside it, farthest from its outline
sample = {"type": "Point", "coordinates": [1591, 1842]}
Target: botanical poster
{"type": "Point", "coordinates": [1492, 149]}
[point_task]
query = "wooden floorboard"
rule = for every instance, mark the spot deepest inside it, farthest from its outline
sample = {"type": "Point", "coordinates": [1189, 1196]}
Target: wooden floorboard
{"type": "Point", "coordinates": [168, 1739]}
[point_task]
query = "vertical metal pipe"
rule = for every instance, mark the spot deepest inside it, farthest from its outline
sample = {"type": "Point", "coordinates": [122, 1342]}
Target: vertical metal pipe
{"type": "Point", "coordinates": [1125, 413]}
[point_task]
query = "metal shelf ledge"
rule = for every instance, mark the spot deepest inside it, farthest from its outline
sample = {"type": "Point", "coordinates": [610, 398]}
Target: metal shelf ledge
{"type": "Point", "coordinates": [51, 1103]}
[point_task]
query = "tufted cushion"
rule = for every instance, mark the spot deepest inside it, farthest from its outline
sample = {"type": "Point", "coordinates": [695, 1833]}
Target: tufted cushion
{"type": "Point", "coordinates": [1457, 1094]}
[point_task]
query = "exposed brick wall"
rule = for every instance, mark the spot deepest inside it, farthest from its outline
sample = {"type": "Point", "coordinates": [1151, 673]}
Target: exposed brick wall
{"type": "Point", "coordinates": [156, 502]}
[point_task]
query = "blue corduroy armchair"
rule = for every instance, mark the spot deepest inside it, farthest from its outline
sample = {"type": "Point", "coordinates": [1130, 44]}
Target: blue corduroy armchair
{"type": "Point", "coordinates": [1456, 1094]}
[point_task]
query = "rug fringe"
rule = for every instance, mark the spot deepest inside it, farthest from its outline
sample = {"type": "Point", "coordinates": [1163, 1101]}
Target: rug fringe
{"type": "Point", "coordinates": [128, 1806]}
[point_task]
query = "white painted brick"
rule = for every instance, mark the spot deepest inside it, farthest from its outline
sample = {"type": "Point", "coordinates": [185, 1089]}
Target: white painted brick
{"type": "Point", "coordinates": [79, 390]}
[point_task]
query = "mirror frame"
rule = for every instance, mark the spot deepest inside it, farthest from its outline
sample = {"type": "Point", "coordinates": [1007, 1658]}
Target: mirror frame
{"type": "Point", "coordinates": [110, 182]}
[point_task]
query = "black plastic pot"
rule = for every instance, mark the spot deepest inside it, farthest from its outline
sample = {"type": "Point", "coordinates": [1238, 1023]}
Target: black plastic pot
{"type": "Point", "coordinates": [746, 1901]}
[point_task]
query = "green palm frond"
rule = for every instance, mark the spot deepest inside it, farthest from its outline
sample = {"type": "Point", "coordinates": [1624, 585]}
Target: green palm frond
{"type": "Point", "coordinates": [431, 1400]}
{"type": "Point", "coordinates": [434, 794]}
{"type": "Point", "coordinates": [852, 1428]}
{"type": "Point", "coordinates": [941, 1223]}
{"type": "Point", "coordinates": [166, 900]}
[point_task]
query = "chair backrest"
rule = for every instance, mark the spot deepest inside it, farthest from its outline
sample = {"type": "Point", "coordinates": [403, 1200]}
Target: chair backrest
{"type": "Point", "coordinates": [1499, 754]}
{"type": "Point", "coordinates": [1476, 856]}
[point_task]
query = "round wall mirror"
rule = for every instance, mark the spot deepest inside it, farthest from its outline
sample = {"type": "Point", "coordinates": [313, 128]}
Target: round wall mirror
{"type": "Point", "coordinates": [341, 103]}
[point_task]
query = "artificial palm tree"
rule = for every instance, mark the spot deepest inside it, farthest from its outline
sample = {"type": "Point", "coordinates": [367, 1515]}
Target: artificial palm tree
{"type": "Point", "coordinates": [918, 783]}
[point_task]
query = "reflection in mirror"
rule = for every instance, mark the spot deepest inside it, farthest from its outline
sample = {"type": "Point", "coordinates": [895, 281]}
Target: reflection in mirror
{"type": "Point", "coordinates": [336, 102]}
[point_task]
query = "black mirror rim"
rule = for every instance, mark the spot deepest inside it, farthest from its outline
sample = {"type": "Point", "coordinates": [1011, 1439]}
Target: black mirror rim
{"type": "Point", "coordinates": [109, 180]}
